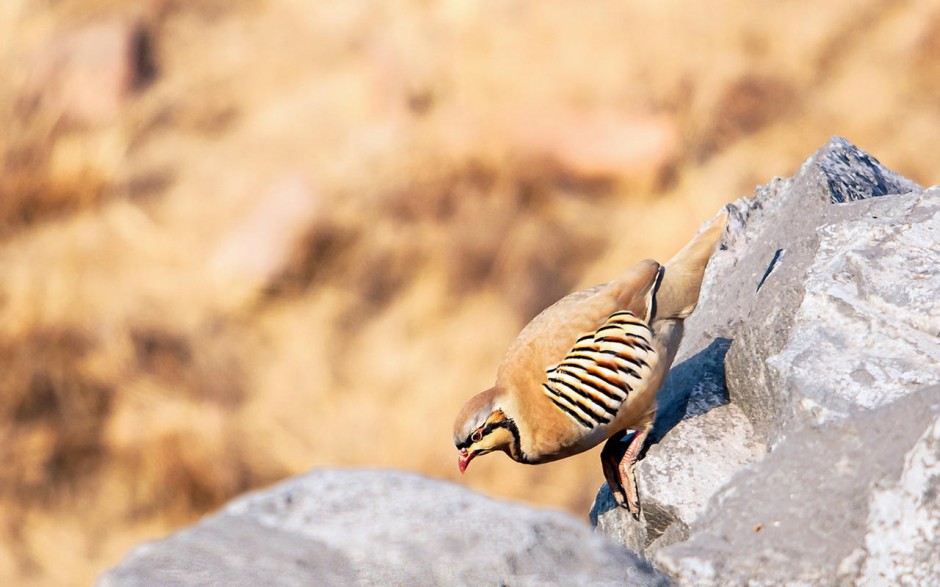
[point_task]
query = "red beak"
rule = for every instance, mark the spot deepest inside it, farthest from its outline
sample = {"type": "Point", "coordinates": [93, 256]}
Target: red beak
{"type": "Point", "coordinates": [464, 458]}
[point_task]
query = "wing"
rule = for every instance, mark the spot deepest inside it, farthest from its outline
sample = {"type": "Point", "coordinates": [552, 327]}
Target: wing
{"type": "Point", "coordinates": [550, 335]}
{"type": "Point", "coordinates": [601, 373]}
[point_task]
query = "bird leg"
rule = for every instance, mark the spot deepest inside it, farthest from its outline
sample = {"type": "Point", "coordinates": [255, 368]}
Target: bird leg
{"type": "Point", "coordinates": [611, 455]}
{"type": "Point", "coordinates": [619, 464]}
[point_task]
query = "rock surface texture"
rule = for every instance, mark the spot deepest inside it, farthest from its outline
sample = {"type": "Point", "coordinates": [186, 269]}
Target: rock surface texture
{"type": "Point", "coordinates": [358, 527]}
{"type": "Point", "coordinates": [798, 432]}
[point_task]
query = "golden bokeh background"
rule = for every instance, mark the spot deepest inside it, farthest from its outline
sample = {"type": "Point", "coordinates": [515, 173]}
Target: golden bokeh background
{"type": "Point", "coordinates": [241, 239]}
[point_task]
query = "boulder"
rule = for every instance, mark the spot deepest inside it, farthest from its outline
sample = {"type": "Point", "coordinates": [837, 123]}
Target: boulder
{"type": "Point", "coordinates": [370, 527]}
{"type": "Point", "coordinates": [833, 504]}
{"type": "Point", "coordinates": [816, 341]}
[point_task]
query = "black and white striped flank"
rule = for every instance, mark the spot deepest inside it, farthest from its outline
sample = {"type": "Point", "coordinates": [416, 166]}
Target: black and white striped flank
{"type": "Point", "coordinates": [600, 372]}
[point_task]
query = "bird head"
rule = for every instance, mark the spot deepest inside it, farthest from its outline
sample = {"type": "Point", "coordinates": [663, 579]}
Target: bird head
{"type": "Point", "coordinates": [483, 427]}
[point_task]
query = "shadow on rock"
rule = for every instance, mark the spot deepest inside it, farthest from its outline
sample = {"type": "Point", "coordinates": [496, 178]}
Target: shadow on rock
{"type": "Point", "coordinates": [692, 388]}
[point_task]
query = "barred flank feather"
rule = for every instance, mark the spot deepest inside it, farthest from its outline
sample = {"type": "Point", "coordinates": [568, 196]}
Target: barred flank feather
{"type": "Point", "coordinates": [598, 374]}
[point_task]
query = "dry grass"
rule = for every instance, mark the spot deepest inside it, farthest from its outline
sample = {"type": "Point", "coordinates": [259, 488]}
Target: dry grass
{"type": "Point", "coordinates": [279, 234]}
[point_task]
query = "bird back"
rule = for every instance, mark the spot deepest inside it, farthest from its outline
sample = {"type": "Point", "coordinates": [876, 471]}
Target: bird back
{"type": "Point", "coordinates": [677, 294]}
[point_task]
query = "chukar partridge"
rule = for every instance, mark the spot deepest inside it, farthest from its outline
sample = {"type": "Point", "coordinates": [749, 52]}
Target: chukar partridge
{"type": "Point", "coordinates": [587, 369]}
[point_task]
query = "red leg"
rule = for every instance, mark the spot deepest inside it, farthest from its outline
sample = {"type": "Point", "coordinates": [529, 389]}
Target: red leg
{"type": "Point", "coordinates": [619, 464]}
{"type": "Point", "coordinates": [627, 469]}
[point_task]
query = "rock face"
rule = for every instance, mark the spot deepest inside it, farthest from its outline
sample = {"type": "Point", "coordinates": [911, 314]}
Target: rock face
{"type": "Point", "coordinates": [358, 527]}
{"type": "Point", "coordinates": [799, 516]}
{"type": "Point", "coordinates": [817, 339]}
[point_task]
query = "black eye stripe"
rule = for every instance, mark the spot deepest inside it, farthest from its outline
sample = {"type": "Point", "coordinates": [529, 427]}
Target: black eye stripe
{"type": "Point", "coordinates": [483, 432]}
{"type": "Point", "coordinates": [509, 425]}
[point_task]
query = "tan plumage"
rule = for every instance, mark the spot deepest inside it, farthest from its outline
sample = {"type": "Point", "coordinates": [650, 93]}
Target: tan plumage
{"type": "Point", "coordinates": [587, 369]}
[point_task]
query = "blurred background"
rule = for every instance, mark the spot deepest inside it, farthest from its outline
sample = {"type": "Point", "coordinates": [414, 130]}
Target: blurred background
{"type": "Point", "coordinates": [244, 238]}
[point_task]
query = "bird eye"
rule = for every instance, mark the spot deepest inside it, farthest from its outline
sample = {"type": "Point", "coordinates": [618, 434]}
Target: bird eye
{"type": "Point", "coordinates": [477, 436]}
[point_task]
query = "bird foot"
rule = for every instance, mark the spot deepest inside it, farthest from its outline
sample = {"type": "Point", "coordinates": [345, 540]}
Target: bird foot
{"type": "Point", "coordinates": [619, 464]}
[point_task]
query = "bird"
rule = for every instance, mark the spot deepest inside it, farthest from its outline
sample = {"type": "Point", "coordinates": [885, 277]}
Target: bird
{"type": "Point", "coordinates": [587, 370]}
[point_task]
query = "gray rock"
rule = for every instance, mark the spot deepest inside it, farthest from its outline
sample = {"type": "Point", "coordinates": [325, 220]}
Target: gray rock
{"type": "Point", "coordinates": [780, 273]}
{"type": "Point", "coordinates": [673, 496]}
{"type": "Point", "coordinates": [358, 527]}
{"type": "Point", "coordinates": [866, 332]}
{"type": "Point", "coordinates": [799, 516]}
{"type": "Point", "coordinates": [823, 304]}
{"type": "Point", "coordinates": [904, 520]}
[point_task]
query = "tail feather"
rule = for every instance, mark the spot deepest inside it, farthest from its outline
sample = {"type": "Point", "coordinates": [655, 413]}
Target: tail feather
{"type": "Point", "coordinates": [679, 289]}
